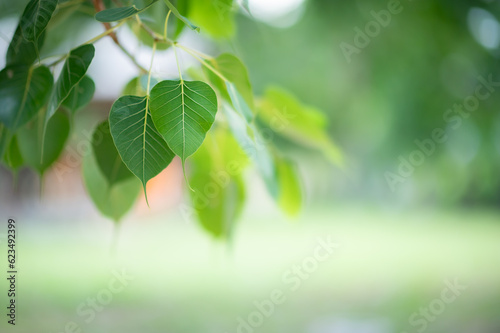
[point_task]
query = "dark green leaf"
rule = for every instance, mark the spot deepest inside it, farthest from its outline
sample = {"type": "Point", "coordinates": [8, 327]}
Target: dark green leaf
{"type": "Point", "coordinates": [21, 51]}
{"type": "Point", "coordinates": [35, 18]}
{"type": "Point", "coordinates": [80, 95]}
{"type": "Point", "coordinates": [112, 201]}
{"type": "Point", "coordinates": [73, 71]}
{"type": "Point", "coordinates": [23, 92]}
{"type": "Point", "coordinates": [183, 112]}
{"type": "Point", "coordinates": [181, 17]}
{"type": "Point", "coordinates": [13, 158]}
{"type": "Point", "coordinates": [107, 157]}
{"type": "Point", "coordinates": [30, 141]}
{"type": "Point", "coordinates": [118, 14]}
{"type": "Point", "coordinates": [139, 144]}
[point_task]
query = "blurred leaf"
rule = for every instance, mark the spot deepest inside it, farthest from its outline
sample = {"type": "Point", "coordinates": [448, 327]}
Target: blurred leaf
{"type": "Point", "coordinates": [183, 112]}
{"type": "Point", "coordinates": [23, 92]}
{"type": "Point", "coordinates": [139, 144]}
{"type": "Point", "coordinates": [290, 197]}
{"type": "Point", "coordinates": [111, 165]}
{"type": "Point", "coordinates": [13, 158]}
{"type": "Point", "coordinates": [112, 201]}
{"type": "Point", "coordinates": [35, 18]}
{"type": "Point", "coordinates": [72, 73]}
{"type": "Point", "coordinates": [255, 147]}
{"type": "Point", "coordinates": [21, 51]}
{"type": "Point", "coordinates": [138, 85]}
{"type": "Point", "coordinates": [216, 178]}
{"type": "Point", "coordinates": [183, 8]}
{"type": "Point", "coordinates": [80, 95]}
{"type": "Point", "coordinates": [30, 141]}
{"type": "Point", "coordinates": [181, 17]}
{"type": "Point", "coordinates": [215, 17]}
{"type": "Point", "coordinates": [284, 114]}
{"type": "Point", "coordinates": [5, 136]}
{"type": "Point", "coordinates": [239, 102]}
{"type": "Point", "coordinates": [118, 14]}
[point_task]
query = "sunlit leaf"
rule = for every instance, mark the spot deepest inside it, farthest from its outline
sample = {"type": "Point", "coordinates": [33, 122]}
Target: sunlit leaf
{"type": "Point", "coordinates": [72, 73]}
{"type": "Point", "coordinates": [284, 114]}
{"type": "Point", "coordinates": [30, 141]}
{"type": "Point", "coordinates": [139, 144]}
{"type": "Point", "coordinates": [215, 17]}
{"type": "Point", "coordinates": [290, 194]}
{"type": "Point", "coordinates": [112, 201]}
{"type": "Point", "coordinates": [181, 17]}
{"type": "Point", "coordinates": [117, 14]}
{"type": "Point", "coordinates": [183, 112]}
{"type": "Point", "coordinates": [35, 18]}
{"type": "Point", "coordinates": [80, 95]}
{"type": "Point", "coordinates": [23, 92]}
{"type": "Point", "coordinates": [107, 157]}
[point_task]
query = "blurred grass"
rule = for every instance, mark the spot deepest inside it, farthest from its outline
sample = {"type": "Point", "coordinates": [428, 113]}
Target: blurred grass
{"type": "Point", "coordinates": [390, 264]}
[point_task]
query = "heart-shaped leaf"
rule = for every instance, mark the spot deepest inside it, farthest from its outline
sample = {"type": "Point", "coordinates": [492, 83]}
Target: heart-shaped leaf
{"type": "Point", "coordinates": [80, 95]}
{"type": "Point", "coordinates": [21, 51]}
{"type": "Point", "coordinates": [107, 157]}
{"type": "Point", "coordinates": [23, 92]}
{"type": "Point", "coordinates": [181, 17]}
{"type": "Point", "coordinates": [139, 144]}
{"type": "Point", "coordinates": [73, 71]}
{"type": "Point", "coordinates": [118, 14]}
{"type": "Point", "coordinates": [112, 201]}
{"type": "Point", "coordinates": [183, 112]}
{"type": "Point", "coordinates": [30, 143]}
{"type": "Point", "coordinates": [35, 18]}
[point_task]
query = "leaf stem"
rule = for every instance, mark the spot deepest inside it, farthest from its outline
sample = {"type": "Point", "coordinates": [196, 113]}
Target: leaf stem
{"type": "Point", "coordinates": [203, 62]}
{"type": "Point", "coordinates": [151, 69]}
{"type": "Point", "coordinates": [177, 61]}
{"type": "Point", "coordinates": [166, 25]}
{"type": "Point", "coordinates": [105, 33]}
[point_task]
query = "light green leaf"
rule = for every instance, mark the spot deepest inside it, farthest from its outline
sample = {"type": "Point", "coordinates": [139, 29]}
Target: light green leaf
{"type": "Point", "coordinates": [239, 102]}
{"type": "Point", "coordinates": [30, 143]}
{"type": "Point", "coordinates": [13, 158]}
{"type": "Point", "coordinates": [290, 197]}
{"type": "Point", "coordinates": [218, 192]}
{"type": "Point", "coordinates": [284, 114]}
{"type": "Point", "coordinates": [107, 157]}
{"type": "Point", "coordinates": [73, 71]}
{"type": "Point", "coordinates": [139, 144]}
{"type": "Point", "coordinates": [80, 95]}
{"type": "Point", "coordinates": [23, 92]}
{"type": "Point", "coordinates": [118, 14]}
{"type": "Point", "coordinates": [112, 201]}
{"type": "Point", "coordinates": [183, 112]}
{"type": "Point", "coordinates": [35, 18]}
{"type": "Point", "coordinates": [215, 17]}
{"type": "Point", "coordinates": [255, 147]}
{"type": "Point", "coordinates": [181, 17]}
{"type": "Point", "coordinates": [21, 51]}
{"type": "Point", "coordinates": [138, 86]}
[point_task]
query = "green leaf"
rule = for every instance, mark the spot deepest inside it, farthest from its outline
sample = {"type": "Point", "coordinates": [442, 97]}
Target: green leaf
{"type": "Point", "coordinates": [21, 51]}
{"type": "Point", "coordinates": [155, 19]}
{"type": "Point", "coordinates": [23, 92]}
{"type": "Point", "coordinates": [118, 14]}
{"type": "Point", "coordinates": [73, 71]}
{"type": "Point", "coordinates": [215, 17]}
{"type": "Point", "coordinates": [284, 114]}
{"type": "Point", "coordinates": [138, 86]}
{"type": "Point", "coordinates": [181, 17]}
{"type": "Point", "coordinates": [35, 18]}
{"type": "Point", "coordinates": [255, 147]}
{"type": "Point", "coordinates": [107, 157]}
{"type": "Point", "coordinates": [5, 137]}
{"type": "Point", "coordinates": [218, 192]}
{"type": "Point", "coordinates": [29, 139]}
{"type": "Point", "coordinates": [13, 158]}
{"type": "Point", "coordinates": [183, 112]}
{"type": "Point", "coordinates": [290, 197]}
{"type": "Point", "coordinates": [139, 144]}
{"type": "Point", "coordinates": [239, 90]}
{"type": "Point", "coordinates": [112, 201]}
{"type": "Point", "coordinates": [80, 95]}
{"type": "Point", "coordinates": [183, 8]}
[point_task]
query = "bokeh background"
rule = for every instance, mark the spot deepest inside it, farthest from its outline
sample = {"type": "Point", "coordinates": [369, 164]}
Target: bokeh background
{"type": "Point", "coordinates": [398, 246]}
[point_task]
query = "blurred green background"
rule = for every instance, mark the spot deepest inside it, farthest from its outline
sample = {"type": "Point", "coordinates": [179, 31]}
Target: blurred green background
{"type": "Point", "coordinates": [398, 245]}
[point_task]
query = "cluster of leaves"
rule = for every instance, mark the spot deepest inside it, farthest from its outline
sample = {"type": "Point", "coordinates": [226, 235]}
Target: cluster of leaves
{"type": "Point", "coordinates": [213, 119]}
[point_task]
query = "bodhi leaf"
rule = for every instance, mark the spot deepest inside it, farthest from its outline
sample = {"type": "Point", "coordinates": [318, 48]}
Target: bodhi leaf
{"type": "Point", "coordinates": [107, 157]}
{"type": "Point", "coordinates": [21, 51]}
{"type": "Point", "coordinates": [112, 201]}
{"type": "Point", "coordinates": [35, 18]}
{"type": "Point", "coordinates": [23, 92]}
{"type": "Point", "coordinates": [284, 114]}
{"type": "Point", "coordinates": [118, 14]}
{"type": "Point", "coordinates": [183, 112]}
{"type": "Point", "coordinates": [80, 95]}
{"type": "Point", "coordinates": [73, 71]}
{"type": "Point", "coordinates": [29, 139]}
{"type": "Point", "coordinates": [139, 144]}
{"type": "Point", "coordinates": [290, 197]}
{"type": "Point", "coordinates": [218, 192]}
{"type": "Point", "coordinates": [215, 17]}
{"type": "Point", "coordinates": [13, 158]}
{"type": "Point", "coordinates": [181, 17]}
